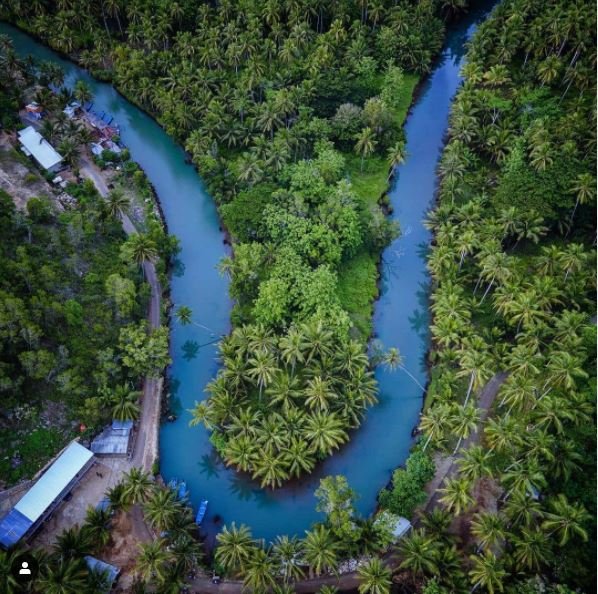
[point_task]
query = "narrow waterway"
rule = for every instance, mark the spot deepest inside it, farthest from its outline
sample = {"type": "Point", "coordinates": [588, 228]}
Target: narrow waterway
{"type": "Point", "coordinates": [401, 314]}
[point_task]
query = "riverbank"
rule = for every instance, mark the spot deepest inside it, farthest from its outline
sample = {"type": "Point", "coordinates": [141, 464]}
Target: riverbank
{"type": "Point", "coordinates": [231, 496]}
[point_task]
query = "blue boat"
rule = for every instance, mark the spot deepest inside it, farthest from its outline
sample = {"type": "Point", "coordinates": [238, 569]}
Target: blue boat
{"type": "Point", "coordinates": [182, 492]}
{"type": "Point", "coordinates": [201, 512]}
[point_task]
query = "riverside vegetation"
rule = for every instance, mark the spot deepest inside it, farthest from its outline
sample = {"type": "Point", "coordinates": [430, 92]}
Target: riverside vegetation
{"type": "Point", "coordinates": [281, 106]}
{"type": "Point", "coordinates": [513, 268]}
{"type": "Point", "coordinates": [513, 290]}
{"type": "Point", "coordinates": [73, 340]}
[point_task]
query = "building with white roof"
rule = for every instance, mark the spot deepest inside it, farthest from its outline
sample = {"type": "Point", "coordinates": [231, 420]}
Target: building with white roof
{"type": "Point", "coordinates": [49, 490]}
{"type": "Point", "coordinates": [35, 145]}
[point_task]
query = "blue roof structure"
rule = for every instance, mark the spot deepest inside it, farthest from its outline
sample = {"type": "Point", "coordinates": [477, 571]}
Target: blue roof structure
{"type": "Point", "coordinates": [114, 439]}
{"type": "Point", "coordinates": [122, 425]}
{"type": "Point", "coordinates": [13, 527]}
{"type": "Point", "coordinates": [103, 567]}
{"type": "Point", "coordinates": [51, 484]}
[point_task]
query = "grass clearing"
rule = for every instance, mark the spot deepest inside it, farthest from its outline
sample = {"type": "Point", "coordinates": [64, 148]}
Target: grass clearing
{"type": "Point", "coordinates": [358, 277]}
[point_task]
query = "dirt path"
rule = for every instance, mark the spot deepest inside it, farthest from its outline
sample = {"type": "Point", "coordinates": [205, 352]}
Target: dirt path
{"type": "Point", "coordinates": [107, 471]}
{"type": "Point", "coordinates": [146, 443]}
{"type": "Point", "coordinates": [447, 466]}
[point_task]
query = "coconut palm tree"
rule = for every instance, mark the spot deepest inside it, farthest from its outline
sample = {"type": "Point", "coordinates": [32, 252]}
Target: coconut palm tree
{"type": "Point", "coordinates": [98, 581]}
{"type": "Point", "coordinates": [139, 248]}
{"type": "Point", "coordinates": [489, 529]}
{"type": "Point", "coordinates": [318, 394]}
{"type": "Point", "coordinates": [262, 369]}
{"type": "Point", "coordinates": [457, 497]}
{"type": "Point", "coordinates": [584, 189]}
{"type": "Point", "coordinates": [69, 151]}
{"type": "Point", "coordinates": [284, 390]}
{"type": "Point", "coordinates": [374, 577]}
{"type": "Point", "coordinates": [8, 582]}
{"type": "Point", "coordinates": [74, 543]}
{"type": "Point", "coordinates": [531, 549]}
{"type": "Point", "coordinates": [298, 458]}
{"type": "Point", "coordinates": [464, 421]}
{"type": "Point", "coordinates": [137, 486]}
{"type": "Point", "coordinates": [116, 500]}
{"type": "Point", "coordinates": [97, 525]}
{"type": "Point", "coordinates": [487, 571]}
{"type": "Point", "coordinates": [476, 463]}
{"type": "Point", "coordinates": [271, 469]}
{"type": "Point", "coordinates": [153, 560]}
{"type": "Point", "coordinates": [434, 423]}
{"type": "Point", "coordinates": [523, 476]}
{"type": "Point", "coordinates": [63, 576]}
{"type": "Point", "coordinates": [393, 360]}
{"type": "Point", "coordinates": [117, 203]}
{"type": "Point", "coordinates": [419, 553]}
{"type": "Point", "coordinates": [235, 546]}
{"type": "Point", "coordinates": [292, 348]}
{"type": "Point", "coordinates": [366, 144]}
{"type": "Point", "coordinates": [475, 361]}
{"type": "Point", "coordinates": [184, 315]}
{"type": "Point", "coordinates": [436, 524]}
{"type": "Point", "coordinates": [161, 508]}
{"type": "Point", "coordinates": [320, 550]}
{"type": "Point", "coordinates": [187, 552]}
{"type": "Point", "coordinates": [325, 432]}
{"type": "Point", "coordinates": [259, 571]}
{"type": "Point", "coordinates": [566, 519]}
{"type": "Point", "coordinates": [397, 154]}
{"type": "Point", "coordinates": [287, 553]}
{"type": "Point", "coordinates": [82, 92]}
{"type": "Point", "coordinates": [126, 407]}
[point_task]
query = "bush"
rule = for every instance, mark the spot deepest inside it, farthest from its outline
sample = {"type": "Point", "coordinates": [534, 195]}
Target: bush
{"type": "Point", "coordinates": [408, 485]}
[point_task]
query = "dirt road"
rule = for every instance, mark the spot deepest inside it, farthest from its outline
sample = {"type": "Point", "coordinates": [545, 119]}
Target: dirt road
{"type": "Point", "coordinates": [146, 443]}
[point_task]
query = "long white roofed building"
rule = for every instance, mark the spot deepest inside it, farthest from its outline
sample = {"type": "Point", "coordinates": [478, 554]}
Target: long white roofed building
{"type": "Point", "coordinates": [49, 490]}
{"type": "Point", "coordinates": [33, 144]}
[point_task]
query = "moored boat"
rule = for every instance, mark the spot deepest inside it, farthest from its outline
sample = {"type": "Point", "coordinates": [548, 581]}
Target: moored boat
{"type": "Point", "coordinates": [201, 512]}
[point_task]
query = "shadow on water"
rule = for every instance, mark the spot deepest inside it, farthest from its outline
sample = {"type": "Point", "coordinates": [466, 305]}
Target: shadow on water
{"type": "Point", "coordinates": [401, 314]}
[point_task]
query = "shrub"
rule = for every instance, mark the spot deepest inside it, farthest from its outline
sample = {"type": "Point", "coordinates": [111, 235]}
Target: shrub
{"type": "Point", "coordinates": [408, 485]}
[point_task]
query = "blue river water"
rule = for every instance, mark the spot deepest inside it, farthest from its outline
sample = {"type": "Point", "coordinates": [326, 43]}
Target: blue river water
{"type": "Point", "coordinates": [401, 315]}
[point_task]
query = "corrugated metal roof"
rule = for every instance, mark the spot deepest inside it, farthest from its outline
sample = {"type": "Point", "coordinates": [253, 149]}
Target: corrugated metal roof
{"type": "Point", "coordinates": [103, 567]}
{"type": "Point", "coordinates": [13, 527]}
{"type": "Point", "coordinates": [39, 147]}
{"type": "Point", "coordinates": [114, 439]}
{"type": "Point", "coordinates": [53, 481]}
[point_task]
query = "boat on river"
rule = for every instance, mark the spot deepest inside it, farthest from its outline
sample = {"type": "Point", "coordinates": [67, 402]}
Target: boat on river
{"type": "Point", "coordinates": [201, 512]}
{"type": "Point", "coordinates": [182, 492]}
{"type": "Point", "coordinates": [179, 488]}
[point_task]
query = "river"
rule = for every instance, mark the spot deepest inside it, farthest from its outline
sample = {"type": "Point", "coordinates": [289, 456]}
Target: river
{"type": "Point", "coordinates": [401, 315]}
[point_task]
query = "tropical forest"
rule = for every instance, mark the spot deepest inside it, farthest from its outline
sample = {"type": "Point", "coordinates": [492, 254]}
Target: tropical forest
{"type": "Point", "coordinates": [298, 296]}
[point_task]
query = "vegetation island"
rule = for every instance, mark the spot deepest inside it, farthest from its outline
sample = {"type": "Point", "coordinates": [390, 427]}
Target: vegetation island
{"type": "Point", "coordinates": [292, 111]}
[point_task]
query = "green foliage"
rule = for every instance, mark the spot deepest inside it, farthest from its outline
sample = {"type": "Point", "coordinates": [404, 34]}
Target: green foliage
{"type": "Point", "coordinates": [144, 351]}
{"type": "Point", "coordinates": [243, 216]}
{"type": "Point", "coordinates": [57, 325]}
{"type": "Point", "coordinates": [269, 134]}
{"type": "Point", "coordinates": [408, 485]}
{"type": "Point", "coordinates": [513, 269]}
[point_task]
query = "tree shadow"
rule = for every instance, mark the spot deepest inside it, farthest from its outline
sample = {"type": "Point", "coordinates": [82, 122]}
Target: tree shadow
{"type": "Point", "coordinates": [178, 267]}
{"type": "Point", "coordinates": [243, 488]}
{"type": "Point", "coordinates": [210, 465]}
{"type": "Point", "coordinates": [190, 349]}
